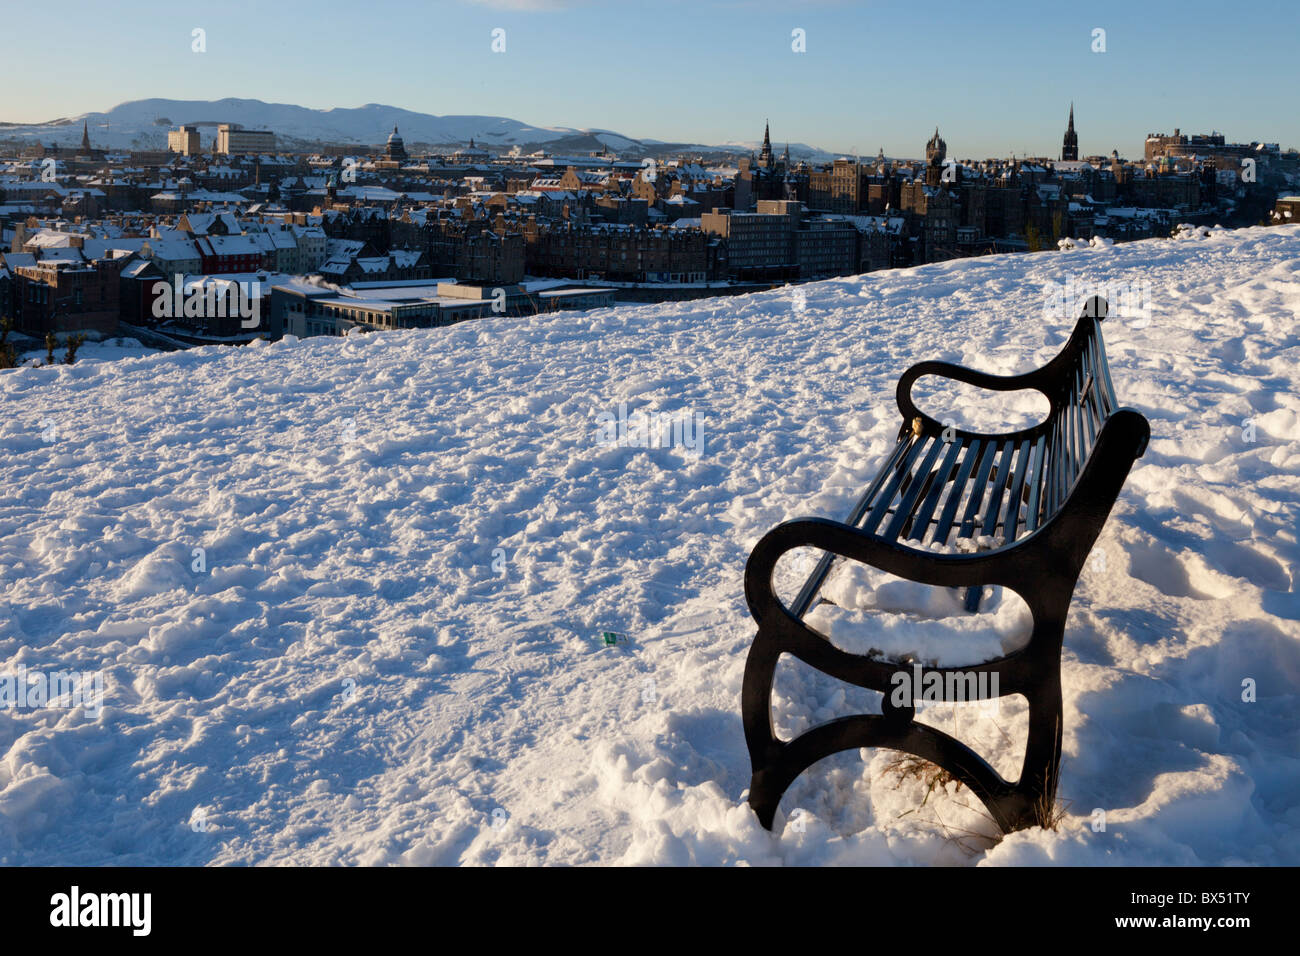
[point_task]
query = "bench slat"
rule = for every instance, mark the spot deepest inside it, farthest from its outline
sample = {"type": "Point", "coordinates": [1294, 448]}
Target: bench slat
{"type": "Point", "coordinates": [1077, 451]}
{"type": "Point", "coordinates": [994, 487]}
{"type": "Point", "coordinates": [922, 517]}
{"type": "Point", "coordinates": [1036, 481]}
{"type": "Point", "coordinates": [1109, 393]}
{"type": "Point", "coordinates": [977, 489]}
{"type": "Point", "coordinates": [1088, 412]}
{"type": "Point", "coordinates": [913, 493]}
{"type": "Point", "coordinates": [886, 497]}
{"type": "Point", "coordinates": [949, 513]}
{"type": "Point", "coordinates": [993, 508]}
{"type": "Point", "coordinates": [1049, 469]}
{"type": "Point", "coordinates": [1011, 513]}
{"type": "Point", "coordinates": [1087, 388]}
{"type": "Point", "coordinates": [1053, 471]}
{"type": "Point", "coordinates": [1087, 378]}
{"type": "Point", "coordinates": [1098, 398]}
{"type": "Point", "coordinates": [1102, 403]}
{"type": "Point", "coordinates": [1071, 460]}
{"type": "Point", "coordinates": [1073, 435]}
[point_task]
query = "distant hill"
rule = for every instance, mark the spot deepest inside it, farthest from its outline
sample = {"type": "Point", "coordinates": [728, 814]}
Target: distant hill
{"type": "Point", "coordinates": [143, 124]}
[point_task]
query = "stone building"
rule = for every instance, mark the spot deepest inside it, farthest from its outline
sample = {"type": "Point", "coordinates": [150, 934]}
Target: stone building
{"type": "Point", "coordinates": [233, 139]}
{"type": "Point", "coordinates": [617, 253]}
{"type": "Point", "coordinates": [184, 140]}
{"type": "Point", "coordinates": [64, 295]}
{"type": "Point", "coordinates": [934, 213]}
{"type": "Point", "coordinates": [777, 241]}
{"type": "Point", "coordinates": [848, 181]}
{"type": "Point", "coordinates": [760, 245]}
{"type": "Point", "coordinates": [825, 247]}
{"type": "Point", "coordinates": [464, 247]}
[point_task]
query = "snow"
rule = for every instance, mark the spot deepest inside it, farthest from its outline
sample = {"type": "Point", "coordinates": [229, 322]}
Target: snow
{"type": "Point", "coordinates": [869, 612]}
{"type": "Point", "coordinates": [105, 350]}
{"type": "Point", "coordinates": [389, 651]}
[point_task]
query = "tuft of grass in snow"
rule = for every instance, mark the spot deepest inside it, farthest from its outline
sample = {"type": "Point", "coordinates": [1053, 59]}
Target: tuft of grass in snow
{"type": "Point", "coordinates": [1049, 811]}
{"type": "Point", "coordinates": [907, 767]}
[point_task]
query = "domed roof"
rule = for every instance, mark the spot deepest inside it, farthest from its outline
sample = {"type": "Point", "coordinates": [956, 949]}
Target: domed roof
{"type": "Point", "coordinates": [393, 137]}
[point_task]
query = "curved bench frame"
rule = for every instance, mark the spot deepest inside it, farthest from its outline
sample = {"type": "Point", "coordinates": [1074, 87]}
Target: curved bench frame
{"type": "Point", "coordinates": [1041, 567]}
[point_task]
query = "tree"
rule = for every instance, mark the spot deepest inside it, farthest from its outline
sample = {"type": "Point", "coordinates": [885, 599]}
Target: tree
{"type": "Point", "coordinates": [73, 343]}
{"type": "Point", "coordinates": [1033, 238]}
{"type": "Point", "coordinates": [8, 357]}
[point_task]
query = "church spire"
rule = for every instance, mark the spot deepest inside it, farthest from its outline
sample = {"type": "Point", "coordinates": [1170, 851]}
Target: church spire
{"type": "Point", "coordinates": [85, 137]}
{"type": "Point", "coordinates": [765, 158]}
{"type": "Point", "coordinates": [1070, 143]}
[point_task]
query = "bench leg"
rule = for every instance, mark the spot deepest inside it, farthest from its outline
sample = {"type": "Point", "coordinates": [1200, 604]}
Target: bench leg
{"type": "Point", "coordinates": [756, 712]}
{"type": "Point", "coordinates": [776, 764]}
{"type": "Point", "coordinates": [1039, 773]}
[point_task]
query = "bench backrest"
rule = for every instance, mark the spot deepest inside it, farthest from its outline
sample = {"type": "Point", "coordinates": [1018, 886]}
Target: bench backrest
{"type": "Point", "coordinates": [1080, 405]}
{"type": "Point", "coordinates": [943, 483]}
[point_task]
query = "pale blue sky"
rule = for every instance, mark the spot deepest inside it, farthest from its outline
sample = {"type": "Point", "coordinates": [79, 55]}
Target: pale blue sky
{"type": "Point", "coordinates": [996, 77]}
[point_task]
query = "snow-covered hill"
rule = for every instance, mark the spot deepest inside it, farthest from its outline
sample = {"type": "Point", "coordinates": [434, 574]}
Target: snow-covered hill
{"type": "Point", "coordinates": [388, 649]}
{"type": "Point", "coordinates": [143, 124]}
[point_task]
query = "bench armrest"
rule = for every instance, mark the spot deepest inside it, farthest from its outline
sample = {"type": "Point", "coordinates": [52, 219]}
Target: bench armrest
{"type": "Point", "coordinates": [941, 570]}
{"type": "Point", "coordinates": [995, 383]}
{"type": "Point", "coordinates": [1052, 379]}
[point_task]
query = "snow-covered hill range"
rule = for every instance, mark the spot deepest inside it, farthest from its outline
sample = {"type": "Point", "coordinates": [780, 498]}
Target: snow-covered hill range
{"type": "Point", "coordinates": [143, 124]}
{"type": "Point", "coordinates": [390, 651]}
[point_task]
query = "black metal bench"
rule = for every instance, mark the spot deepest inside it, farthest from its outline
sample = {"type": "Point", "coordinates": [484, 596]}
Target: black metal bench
{"type": "Point", "coordinates": [1045, 491]}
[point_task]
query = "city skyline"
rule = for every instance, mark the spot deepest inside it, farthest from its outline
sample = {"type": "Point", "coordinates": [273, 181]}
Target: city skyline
{"type": "Point", "coordinates": [870, 77]}
{"type": "Point", "coordinates": [73, 128]}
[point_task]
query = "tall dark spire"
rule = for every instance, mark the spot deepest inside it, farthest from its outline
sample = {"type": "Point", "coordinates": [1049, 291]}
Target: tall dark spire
{"type": "Point", "coordinates": [765, 158]}
{"type": "Point", "coordinates": [85, 137]}
{"type": "Point", "coordinates": [1070, 144]}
